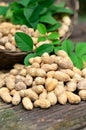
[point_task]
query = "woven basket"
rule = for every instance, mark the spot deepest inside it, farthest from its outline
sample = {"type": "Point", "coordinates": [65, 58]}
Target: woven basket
{"type": "Point", "coordinates": [8, 59]}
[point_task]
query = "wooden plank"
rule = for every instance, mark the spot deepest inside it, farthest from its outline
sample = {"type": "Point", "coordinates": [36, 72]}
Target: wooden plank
{"type": "Point", "coordinates": [58, 117]}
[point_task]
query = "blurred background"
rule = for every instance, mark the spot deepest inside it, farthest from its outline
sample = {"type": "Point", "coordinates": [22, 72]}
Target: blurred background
{"type": "Point", "coordinates": [82, 10]}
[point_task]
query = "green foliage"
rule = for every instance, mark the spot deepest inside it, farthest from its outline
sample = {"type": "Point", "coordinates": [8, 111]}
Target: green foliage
{"type": "Point", "coordinates": [53, 27]}
{"type": "Point", "coordinates": [44, 48]}
{"type": "Point", "coordinates": [26, 59]}
{"type": "Point", "coordinates": [68, 46]}
{"type": "Point", "coordinates": [53, 36]}
{"type": "Point", "coordinates": [77, 61]}
{"type": "Point", "coordinates": [80, 48]}
{"type": "Point", "coordinates": [23, 41]}
{"type": "Point", "coordinates": [77, 52]}
{"type": "Point", "coordinates": [32, 12]}
{"type": "Point", "coordinates": [24, 2]}
{"type": "Point", "coordinates": [3, 10]}
{"type": "Point", "coordinates": [64, 10]}
{"type": "Point", "coordinates": [42, 38]}
{"type": "Point", "coordinates": [48, 18]}
{"type": "Point", "coordinates": [41, 28]}
{"type": "Point", "coordinates": [56, 49]}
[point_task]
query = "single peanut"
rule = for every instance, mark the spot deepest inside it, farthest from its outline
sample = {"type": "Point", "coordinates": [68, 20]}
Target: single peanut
{"type": "Point", "coordinates": [62, 99]}
{"type": "Point", "coordinates": [39, 81]}
{"type": "Point", "coordinates": [20, 86]}
{"type": "Point", "coordinates": [22, 93]}
{"type": "Point", "coordinates": [27, 103]}
{"type": "Point", "coordinates": [51, 84]}
{"type": "Point", "coordinates": [28, 80]}
{"type": "Point", "coordinates": [3, 90]}
{"type": "Point", "coordinates": [82, 94]}
{"type": "Point", "coordinates": [76, 70]}
{"type": "Point", "coordinates": [62, 53]}
{"type": "Point", "coordinates": [73, 98]}
{"type": "Point", "coordinates": [43, 95]}
{"type": "Point", "coordinates": [43, 103]}
{"type": "Point", "coordinates": [82, 84]}
{"type": "Point", "coordinates": [10, 82]}
{"type": "Point", "coordinates": [61, 76]}
{"type": "Point", "coordinates": [36, 59]}
{"type": "Point", "coordinates": [6, 97]}
{"type": "Point", "coordinates": [48, 67]}
{"type": "Point", "coordinates": [31, 94]}
{"type": "Point", "coordinates": [64, 63]}
{"type": "Point", "coordinates": [59, 90]}
{"type": "Point", "coordinates": [50, 74]}
{"type": "Point", "coordinates": [23, 72]}
{"type": "Point", "coordinates": [52, 98]}
{"type": "Point", "coordinates": [18, 66]}
{"type": "Point", "coordinates": [14, 72]}
{"type": "Point", "coordinates": [35, 65]}
{"type": "Point", "coordinates": [77, 77]}
{"type": "Point", "coordinates": [19, 78]}
{"type": "Point", "coordinates": [37, 72]}
{"type": "Point", "coordinates": [38, 88]}
{"type": "Point", "coordinates": [71, 85]}
{"type": "Point", "coordinates": [66, 20]}
{"type": "Point", "coordinates": [16, 99]}
{"type": "Point", "coordinates": [68, 71]}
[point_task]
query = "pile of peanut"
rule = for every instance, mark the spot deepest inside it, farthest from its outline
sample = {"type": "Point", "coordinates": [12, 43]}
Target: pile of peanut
{"type": "Point", "coordinates": [8, 30]}
{"type": "Point", "coordinates": [47, 81]}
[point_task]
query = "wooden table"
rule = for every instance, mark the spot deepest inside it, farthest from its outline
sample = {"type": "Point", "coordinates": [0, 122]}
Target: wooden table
{"type": "Point", "coordinates": [58, 117]}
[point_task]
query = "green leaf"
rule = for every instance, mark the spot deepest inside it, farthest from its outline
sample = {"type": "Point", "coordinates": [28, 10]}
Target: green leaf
{"type": "Point", "coordinates": [23, 41]}
{"type": "Point", "coordinates": [18, 18]}
{"type": "Point", "coordinates": [44, 11]}
{"type": "Point", "coordinates": [46, 3]}
{"type": "Point", "coordinates": [64, 10]}
{"type": "Point", "coordinates": [56, 42]}
{"type": "Point", "coordinates": [48, 18]}
{"type": "Point", "coordinates": [42, 38]}
{"type": "Point", "coordinates": [80, 48]}
{"type": "Point", "coordinates": [41, 28]}
{"type": "Point", "coordinates": [15, 14]}
{"type": "Point", "coordinates": [35, 14]}
{"type": "Point", "coordinates": [56, 49]}
{"type": "Point", "coordinates": [9, 14]}
{"type": "Point", "coordinates": [26, 59]}
{"type": "Point", "coordinates": [68, 46]}
{"type": "Point", "coordinates": [15, 6]}
{"type": "Point", "coordinates": [84, 57]}
{"type": "Point", "coordinates": [61, 4]}
{"type": "Point", "coordinates": [55, 6]}
{"type": "Point", "coordinates": [54, 27]}
{"type": "Point", "coordinates": [53, 36]}
{"type": "Point", "coordinates": [24, 2]}
{"type": "Point", "coordinates": [32, 16]}
{"type": "Point", "coordinates": [77, 61]}
{"type": "Point", "coordinates": [3, 10]}
{"type": "Point", "coordinates": [44, 48]}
